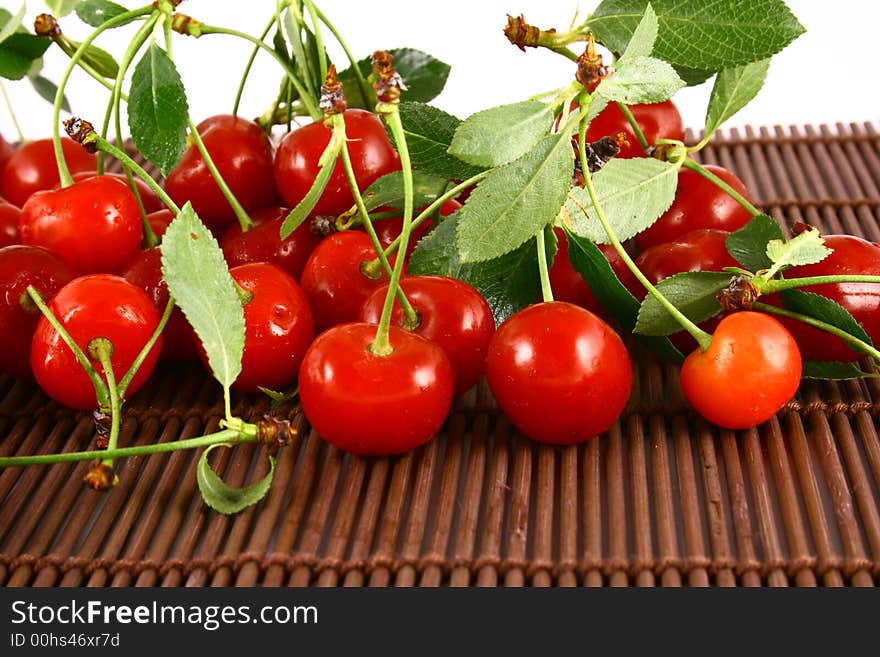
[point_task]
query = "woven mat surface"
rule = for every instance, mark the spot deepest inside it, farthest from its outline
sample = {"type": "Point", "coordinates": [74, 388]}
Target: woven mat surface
{"type": "Point", "coordinates": [662, 499]}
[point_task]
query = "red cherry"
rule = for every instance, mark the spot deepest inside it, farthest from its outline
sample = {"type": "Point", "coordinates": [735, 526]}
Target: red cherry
{"type": "Point", "coordinates": [263, 243]}
{"type": "Point", "coordinates": [751, 369]}
{"type": "Point", "coordinates": [32, 168]}
{"type": "Point", "coordinates": [179, 341]}
{"type": "Point", "coordinates": [21, 266]}
{"type": "Point", "coordinates": [278, 327]}
{"type": "Point", "coordinates": [560, 373]}
{"type": "Point", "coordinates": [6, 153]}
{"type": "Point", "coordinates": [296, 162]}
{"type": "Point", "coordinates": [94, 306]}
{"type": "Point", "coordinates": [148, 196]}
{"type": "Point", "coordinates": [699, 203]}
{"type": "Point", "coordinates": [375, 405]}
{"type": "Point", "coordinates": [333, 281]}
{"type": "Point", "coordinates": [160, 220]}
{"type": "Point", "coordinates": [9, 215]}
{"type": "Point", "coordinates": [242, 153]}
{"type": "Point", "coordinates": [452, 314]}
{"type": "Point", "coordinates": [389, 229]}
{"type": "Point", "coordinates": [657, 121]}
{"type": "Point", "coordinates": [95, 224]}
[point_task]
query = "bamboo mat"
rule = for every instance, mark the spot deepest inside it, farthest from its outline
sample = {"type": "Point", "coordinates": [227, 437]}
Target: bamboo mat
{"type": "Point", "coordinates": [662, 499]}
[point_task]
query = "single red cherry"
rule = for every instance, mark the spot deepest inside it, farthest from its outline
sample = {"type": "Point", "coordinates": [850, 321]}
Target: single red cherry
{"type": "Point", "coordinates": [750, 370]}
{"type": "Point", "coordinates": [333, 278]}
{"type": "Point", "coordinates": [21, 266]}
{"type": "Point", "coordinates": [179, 341]}
{"type": "Point", "coordinates": [94, 224]}
{"type": "Point", "coordinates": [699, 203]}
{"type": "Point", "coordinates": [160, 220]}
{"type": "Point", "coordinates": [32, 168]}
{"type": "Point", "coordinates": [850, 255]}
{"type": "Point", "coordinates": [296, 162]}
{"type": "Point", "coordinates": [242, 153]}
{"type": "Point", "coordinates": [148, 196]}
{"type": "Point", "coordinates": [657, 121]}
{"type": "Point", "coordinates": [89, 307]}
{"type": "Point", "coordinates": [559, 373]}
{"type": "Point", "coordinates": [375, 405]}
{"type": "Point", "coordinates": [278, 327]}
{"type": "Point", "coordinates": [262, 242]}
{"type": "Point", "coordinates": [451, 313]}
{"type": "Point", "coordinates": [9, 215]}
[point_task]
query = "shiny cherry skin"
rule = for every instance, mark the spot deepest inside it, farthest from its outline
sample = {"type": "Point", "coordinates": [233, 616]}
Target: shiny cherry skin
{"type": "Point", "coordinates": [850, 255]}
{"type": "Point", "coordinates": [262, 242]}
{"type": "Point", "coordinates": [333, 281]}
{"type": "Point", "coordinates": [699, 203]}
{"type": "Point", "coordinates": [179, 341]}
{"type": "Point", "coordinates": [160, 220]}
{"type": "Point", "coordinates": [9, 215]}
{"type": "Point", "coordinates": [559, 373]}
{"type": "Point", "coordinates": [388, 230]}
{"type": "Point", "coordinates": [278, 327]}
{"type": "Point", "coordinates": [21, 266]}
{"type": "Point", "coordinates": [94, 224]}
{"type": "Point", "coordinates": [94, 306]}
{"type": "Point", "coordinates": [452, 313]}
{"type": "Point", "coordinates": [296, 161]}
{"type": "Point", "coordinates": [372, 405]}
{"type": "Point", "coordinates": [148, 196]}
{"type": "Point", "coordinates": [568, 285]}
{"type": "Point", "coordinates": [750, 370]}
{"type": "Point", "coordinates": [242, 153]}
{"type": "Point", "coordinates": [6, 152]}
{"type": "Point", "coordinates": [657, 121]}
{"type": "Point", "coordinates": [32, 168]}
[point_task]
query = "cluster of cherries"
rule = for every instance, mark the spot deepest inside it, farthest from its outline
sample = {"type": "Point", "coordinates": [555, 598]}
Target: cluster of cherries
{"type": "Point", "coordinates": [312, 302]}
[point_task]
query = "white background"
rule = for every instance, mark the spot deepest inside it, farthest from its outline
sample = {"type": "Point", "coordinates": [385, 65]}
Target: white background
{"type": "Point", "coordinates": [830, 74]}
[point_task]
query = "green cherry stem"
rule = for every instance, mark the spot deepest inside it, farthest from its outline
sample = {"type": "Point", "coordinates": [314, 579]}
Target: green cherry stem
{"type": "Point", "coordinates": [857, 344]}
{"type": "Point", "coordinates": [250, 62]}
{"type": "Point", "coordinates": [543, 269]}
{"type": "Point", "coordinates": [63, 171]}
{"type": "Point", "coordinates": [778, 284]}
{"type": "Point", "coordinates": [381, 345]}
{"type": "Point", "coordinates": [637, 129]}
{"type": "Point", "coordinates": [125, 381]}
{"type": "Point", "coordinates": [319, 39]}
{"type": "Point", "coordinates": [708, 175]}
{"type": "Point", "coordinates": [703, 339]}
{"type": "Point", "coordinates": [363, 85]}
{"type": "Point", "coordinates": [103, 349]}
{"type": "Point", "coordinates": [223, 436]}
{"type": "Point", "coordinates": [101, 391]}
{"type": "Point", "coordinates": [8, 103]}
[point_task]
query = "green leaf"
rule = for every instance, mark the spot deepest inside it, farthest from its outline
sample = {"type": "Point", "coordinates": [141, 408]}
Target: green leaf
{"type": "Point", "coordinates": [734, 88]}
{"type": "Point", "coordinates": [824, 309]}
{"type": "Point", "coordinates": [508, 283]}
{"type": "Point", "coordinates": [61, 8]}
{"type": "Point", "coordinates": [388, 190]}
{"type": "Point", "coordinates": [516, 200]}
{"type": "Point", "coordinates": [632, 193]}
{"type": "Point", "coordinates": [589, 261]}
{"type": "Point", "coordinates": [98, 12]}
{"type": "Point", "coordinates": [18, 51]}
{"type": "Point", "coordinates": [10, 24]}
{"type": "Point", "coordinates": [303, 54]}
{"type": "Point", "coordinates": [424, 75]}
{"type": "Point", "coordinates": [701, 35]}
{"type": "Point", "coordinates": [642, 42]}
{"type": "Point", "coordinates": [805, 249]}
{"type": "Point", "coordinates": [834, 371]}
{"type": "Point", "coordinates": [47, 90]}
{"type": "Point", "coordinates": [692, 292]}
{"type": "Point", "coordinates": [429, 133]}
{"type": "Point", "coordinates": [223, 498]}
{"type": "Point", "coordinates": [693, 76]}
{"type": "Point", "coordinates": [157, 110]}
{"type": "Point", "coordinates": [198, 278]}
{"type": "Point", "coordinates": [639, 80]}
{"type": "Point", "coordinates": [748, 245]}
{"type": "Point", "coordinates": [100, 60]}
{"type": "Point", "coordinates": [501, 134]}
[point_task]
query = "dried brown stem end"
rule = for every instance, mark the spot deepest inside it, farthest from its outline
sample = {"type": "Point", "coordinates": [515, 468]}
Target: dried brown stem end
{"type": "Point", "coordinates": [600, 152]}
{"type": "Point", "coordinates": [332, 97]}
{"type": "Point", "coordinates": [46, 25]}
{"type": "Point", "coordinates": [740, 294]}
{"type": "Point", "coordinates": [523, 35]}
{"type": "Point", "coordinates": [275, 432]}
{"type": "Point", "coordinates": [103, 423]}
{"type": "Point", "coordinates": [100, 477]}
{"type": "Point", "coordinates": [79, 130]}
{"type": "Point", "coordinates": [388, 83]}
{"type": "Point", "coordinates": [183, 24]}
{"type": "Point", "coordinates": [590, 70]}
